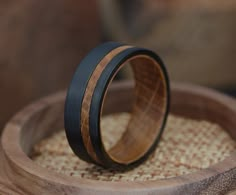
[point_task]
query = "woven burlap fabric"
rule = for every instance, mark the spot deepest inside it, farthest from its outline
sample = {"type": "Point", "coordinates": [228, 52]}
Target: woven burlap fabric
{"type": "Point", "coordinates": [187, 146]}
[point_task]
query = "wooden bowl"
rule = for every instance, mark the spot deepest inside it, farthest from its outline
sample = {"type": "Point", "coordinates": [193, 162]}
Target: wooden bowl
{"type": "Point", "coordinates": [20, 175]}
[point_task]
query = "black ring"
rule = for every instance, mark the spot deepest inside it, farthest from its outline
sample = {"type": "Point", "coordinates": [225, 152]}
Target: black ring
{"type": "Point", "coordinates": [76, 93]}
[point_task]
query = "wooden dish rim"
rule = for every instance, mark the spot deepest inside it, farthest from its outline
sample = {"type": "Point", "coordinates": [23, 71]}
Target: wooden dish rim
{"type": "Point", "coordinates": [17, 158]}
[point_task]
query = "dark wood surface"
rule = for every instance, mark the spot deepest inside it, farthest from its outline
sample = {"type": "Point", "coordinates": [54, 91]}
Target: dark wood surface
{"type": "Point", "coordinates": [41, 43]}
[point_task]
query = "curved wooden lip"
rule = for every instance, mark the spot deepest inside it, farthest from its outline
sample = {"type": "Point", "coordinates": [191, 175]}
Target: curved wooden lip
{"type": "Point", "coordinates": [13, 153]}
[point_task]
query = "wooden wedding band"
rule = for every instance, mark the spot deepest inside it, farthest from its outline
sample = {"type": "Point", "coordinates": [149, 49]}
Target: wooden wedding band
{"type": "Point", "coordinates": [84, 103]}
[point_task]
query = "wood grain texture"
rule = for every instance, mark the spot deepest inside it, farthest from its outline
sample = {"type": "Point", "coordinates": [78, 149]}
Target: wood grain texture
{"type": "Point", "coordinates": [148, 110]}
{"type": "Point", "coordinates": [20, 175]}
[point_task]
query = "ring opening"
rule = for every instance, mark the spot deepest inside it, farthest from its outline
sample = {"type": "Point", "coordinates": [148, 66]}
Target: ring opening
{"type": "Point", "coordinates": [148, 111]}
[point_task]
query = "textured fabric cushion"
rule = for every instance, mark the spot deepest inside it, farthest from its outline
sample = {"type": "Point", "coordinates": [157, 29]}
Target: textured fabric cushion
{"type": "Point", "coordinates": [187, 146]}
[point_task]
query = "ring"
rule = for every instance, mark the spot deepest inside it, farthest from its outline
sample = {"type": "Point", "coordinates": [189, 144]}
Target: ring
{"type": "Point", "coordinates": [86, 94]}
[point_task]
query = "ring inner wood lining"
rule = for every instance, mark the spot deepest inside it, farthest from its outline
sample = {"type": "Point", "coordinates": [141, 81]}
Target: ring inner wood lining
{"type": "Point", "coordinates": [88, 98]}
{"type": "Point", "coordinates": [147, 113]}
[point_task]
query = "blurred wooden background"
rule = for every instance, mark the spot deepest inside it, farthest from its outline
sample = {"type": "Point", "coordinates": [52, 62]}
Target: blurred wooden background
{"type": "Point", "coordinates": [41, 42]}
{"type": "Point", "coordinates": [196, 39]}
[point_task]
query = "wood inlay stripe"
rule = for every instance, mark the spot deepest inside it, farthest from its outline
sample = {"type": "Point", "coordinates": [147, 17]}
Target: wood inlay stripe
{"type": "Point", "coordinates": [88, 97]}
